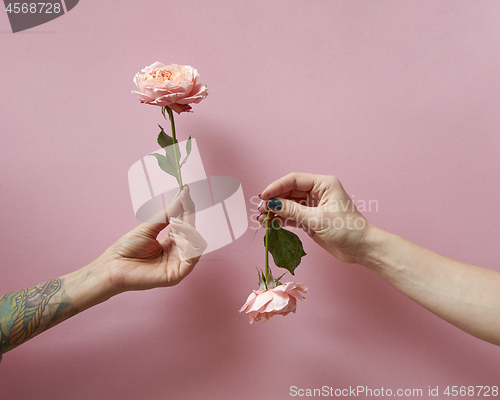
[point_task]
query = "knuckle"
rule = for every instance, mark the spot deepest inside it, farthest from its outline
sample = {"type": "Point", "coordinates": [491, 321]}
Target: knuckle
{"type": "Point", "coordinates": [332, 179]}
{"type": "Point", "coordinates": [292, 210]}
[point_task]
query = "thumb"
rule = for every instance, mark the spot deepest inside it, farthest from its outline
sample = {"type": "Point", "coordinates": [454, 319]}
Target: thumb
{"type": "Point", "coordinates": [291, 210]}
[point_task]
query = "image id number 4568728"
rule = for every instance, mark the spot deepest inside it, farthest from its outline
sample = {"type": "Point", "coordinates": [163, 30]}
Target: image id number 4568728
{"type": "Point", "coordinates": [34, 8]}
{"type": "Point", "coordinates": [471, 391]}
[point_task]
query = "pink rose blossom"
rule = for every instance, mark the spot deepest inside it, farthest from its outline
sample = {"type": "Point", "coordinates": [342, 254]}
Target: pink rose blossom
{"type": "Point", "coordinates": [175, 86]}
{"type": "Point", "coordinates": [262, 304]}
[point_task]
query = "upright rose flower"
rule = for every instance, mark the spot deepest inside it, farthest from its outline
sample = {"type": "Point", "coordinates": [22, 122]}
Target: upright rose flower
{"type": "Point", "coordinates": [262, 304]}
{"type": "Point", "coordinates": [174, 86]}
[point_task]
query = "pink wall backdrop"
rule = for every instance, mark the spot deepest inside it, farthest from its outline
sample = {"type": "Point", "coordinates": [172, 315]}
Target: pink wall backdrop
{"type": "Point", "coordinates": [399, 99]}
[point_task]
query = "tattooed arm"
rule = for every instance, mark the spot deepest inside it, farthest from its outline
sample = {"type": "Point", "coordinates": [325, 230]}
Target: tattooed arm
{"type": "Point", "coordinates": [28, 312]}
{"type": "Point", "coordinates": [137, 261]}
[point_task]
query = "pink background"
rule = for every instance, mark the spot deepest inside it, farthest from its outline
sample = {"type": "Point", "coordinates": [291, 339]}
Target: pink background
{"type": "Point", "coordinates": [399, 99]}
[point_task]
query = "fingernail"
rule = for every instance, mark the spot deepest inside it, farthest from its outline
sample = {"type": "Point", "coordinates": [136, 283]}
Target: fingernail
{"type": "Point", "coordinates": [275, 204]}
{"type": "Point", "coordinates": [259, 195]}
{"type": "Point", "coordinates": [175, 220]}
{"type": "Point", "coordinates": [258, 216]}
{"type": "Point", "coordinates": [186, 188]}
{"type": "Point", "coordinates": [261, 202]}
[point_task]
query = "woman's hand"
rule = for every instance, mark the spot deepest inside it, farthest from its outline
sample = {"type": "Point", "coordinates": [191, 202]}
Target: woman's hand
{"type": "Point", "coordinates": [139, 261]}
{"type": "Point", "coordinates": [136, 261]}
{"type": "Point", "coordinates": [319, 205]}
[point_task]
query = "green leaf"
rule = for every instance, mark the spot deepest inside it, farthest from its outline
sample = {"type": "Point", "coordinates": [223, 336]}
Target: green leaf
{"type": "Point", "coordinates": [170, 152]}
{"type": "Point", "coordinates": [188, 146]}
{"type": "Point", "coordinates": [163, 139]}
{"type": "Point", "coordinates": [188, 150]}
{"type": "Point", "coordinates": [166, 165]}
{"type": "Point", "coordinates": [285, 247]}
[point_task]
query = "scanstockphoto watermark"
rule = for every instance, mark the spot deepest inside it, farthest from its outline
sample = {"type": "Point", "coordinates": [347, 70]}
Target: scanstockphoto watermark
{"type": "Point", "coordinates": [338, 214]}
{"type": "Point", "coordinates": [28, 14]}
{"type": "Point", "coordinates": [354, 391]}
{"type": "Point", "coordinates": [476, 391]}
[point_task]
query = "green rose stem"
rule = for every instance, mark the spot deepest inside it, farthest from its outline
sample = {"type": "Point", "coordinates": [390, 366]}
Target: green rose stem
{"type": "Point", "coordinates": [267, 247]}
{"type": "Point", "coordinates": [172, 125]}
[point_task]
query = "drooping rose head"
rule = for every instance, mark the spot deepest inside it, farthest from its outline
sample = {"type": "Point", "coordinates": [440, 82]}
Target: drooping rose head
{"type": "Point", "coordinates": [175, 86]}
{"type": "Point", "coordinates": [262, 304]}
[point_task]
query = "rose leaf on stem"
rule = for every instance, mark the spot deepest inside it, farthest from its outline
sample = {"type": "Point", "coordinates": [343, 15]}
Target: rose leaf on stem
{"type": "Point", "coordinates": [166, 164]}
{"type": "Point", "coordinates": [164, 140]}
{"type": "Point", "coordinates": [188, 151]}
{"type": "Point", "coordinates": [285, 247]}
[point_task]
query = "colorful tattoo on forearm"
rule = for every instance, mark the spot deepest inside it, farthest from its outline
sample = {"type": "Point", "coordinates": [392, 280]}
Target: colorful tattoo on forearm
{"type": "Point", "coordinates": [21, 313]}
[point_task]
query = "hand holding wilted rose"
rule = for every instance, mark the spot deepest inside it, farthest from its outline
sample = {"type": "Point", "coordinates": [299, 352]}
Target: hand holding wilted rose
{"type": "Point", "coordinates": [319, 205]}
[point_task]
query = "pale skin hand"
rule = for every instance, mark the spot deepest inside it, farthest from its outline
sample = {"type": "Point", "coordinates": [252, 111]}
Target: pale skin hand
{"type": "Point", "coordinates": [137, 261]}
{"type": "Point", "coordinates": [465, 295]}
{"type": "Point", "coordinates": [317, 204]}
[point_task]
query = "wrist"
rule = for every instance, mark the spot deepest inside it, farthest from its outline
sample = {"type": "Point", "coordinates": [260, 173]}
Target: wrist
{"type": "Point", "coordinates": [371, 247]}
{"type": "Point", "coordinates": [91, 284]}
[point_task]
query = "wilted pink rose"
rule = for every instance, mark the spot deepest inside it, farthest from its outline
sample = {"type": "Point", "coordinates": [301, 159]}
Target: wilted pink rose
{"type": "Point", "coordinates": [175, 86]}
{"type": "Point", "coordinates": [262, 304]}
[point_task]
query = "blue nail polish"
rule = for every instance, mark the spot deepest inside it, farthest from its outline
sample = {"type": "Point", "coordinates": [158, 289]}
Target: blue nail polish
{"type": "Point", "coordinates": [275, 204]}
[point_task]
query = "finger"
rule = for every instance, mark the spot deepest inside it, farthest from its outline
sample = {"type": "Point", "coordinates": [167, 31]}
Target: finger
{"type": "Point", "coordinates": [308, 201]}
{"type": "Point", "coordinates": [295, 181]}
{"type": "Point", "coordinates": [176, 208]}
{"type": "Point", "coordinates": [262, 206]}
{"type": "Point", "coordinates": [297, 194]}
{"type": "Point", "coordinates": [283, 221]}
{"type": "Point", "coordinates": [292, 211]}
{"type": "Point", "coordinates": [192, 245]}
{"type": "Point", "coordinates": [294, 224]}
{"type": "Point", "coordinates": [286, 222]}
{"type": "Point", "coordinates": [178, 227]}
{"type": "Point", "coordinates": [152, 229]}
{"type": "Point", "coordinates": [187, 263]}
{"type": "Point", "coordinates": [186, 248]}
{"type": "Point", "coordinates": [261, 217]}
{"type": "Point", "coordinates": [289, 222]}
{"type": "Point", "coordinates": [189, 211]}
{"type": "Point", "coordinates": [186, 231]}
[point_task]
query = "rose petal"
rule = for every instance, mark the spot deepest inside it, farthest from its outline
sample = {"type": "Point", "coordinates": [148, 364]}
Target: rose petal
{"type": "Point", "coordinates": [251, 316]}
{"type": "Point", "coordinates": [143, 97]}
{"type": "Point", "coordinates": [291, 306]}
{"type": "Point", "coordinates": [280, 301]}
{"type": "Point", "coordinates": [152, 67]}
{"type": "Point", "coordinates": [250, 300]}
{"type": "Point", "coordinates": [302, 288]}
{"type": "Point", "coordinates": [296, 294]}
{"type": "Point", "coordinates": [178, 108]}
{"type": "Point", "coordinates": [261, 301]}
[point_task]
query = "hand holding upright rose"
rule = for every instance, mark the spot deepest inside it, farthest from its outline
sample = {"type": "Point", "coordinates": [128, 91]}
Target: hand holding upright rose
{"type": "Point", "coordinates": [171, 87]}
{"type": "Point", "coordinates": [174, 86]}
